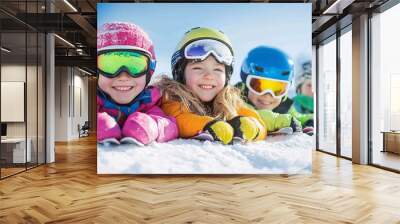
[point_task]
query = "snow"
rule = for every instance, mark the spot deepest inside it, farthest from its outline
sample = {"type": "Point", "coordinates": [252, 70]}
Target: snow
{"type": "Point", "coordinates": [289, 154]}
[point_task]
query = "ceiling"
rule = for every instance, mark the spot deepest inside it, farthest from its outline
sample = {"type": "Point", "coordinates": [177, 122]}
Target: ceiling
{"type": "Point", "coordinates": [75, 21]}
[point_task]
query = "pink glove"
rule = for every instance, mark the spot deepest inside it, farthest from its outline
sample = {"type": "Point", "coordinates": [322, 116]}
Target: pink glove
{"type": "Point", "coordinates": [107, 127]}
{"type": "Point", "coordinates": [167, 127]}
{"type": "Point", "coordinates": [141, 127]}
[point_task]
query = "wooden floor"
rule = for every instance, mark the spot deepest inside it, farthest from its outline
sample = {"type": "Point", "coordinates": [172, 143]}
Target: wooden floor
{"type": "Point", "coordinates": [387, 159]}
{"type": "Point", "coordinates": [10, 171]}
{"type": "Point", "coordinates": [5, 172]}
{"type": "Point", "coordinates": [70, 191]}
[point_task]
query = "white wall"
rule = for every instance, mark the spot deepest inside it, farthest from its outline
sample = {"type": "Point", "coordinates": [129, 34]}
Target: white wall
{"type": "Point", "coordinates": [61, 103]}
{"type": "Point", "coordinates": [70, 84]}
{"type": "Point", "coordinates": [80, 102]}
{"type": "Point", "coordinates": [12, 101]}
{"type": "Point", "coordinates": [16, 73]}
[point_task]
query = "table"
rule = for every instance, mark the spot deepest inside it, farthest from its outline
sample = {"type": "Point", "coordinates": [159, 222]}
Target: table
{"type": "Point", "coordinates": [391, 141]}
{"type": "Point", "coordinates": [15, 148]}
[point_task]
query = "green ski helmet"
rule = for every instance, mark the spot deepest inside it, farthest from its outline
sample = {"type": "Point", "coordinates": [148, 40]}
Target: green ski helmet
{"type": "Point", "coordinates": [197, 44]}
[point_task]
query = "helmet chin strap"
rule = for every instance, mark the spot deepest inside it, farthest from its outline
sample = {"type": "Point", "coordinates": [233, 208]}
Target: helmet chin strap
{"type": "Point", "coordinates": [148, 78]}
{"type": "Point", "coordinates": [178, 73]}
{"type": "Point", "coordinates": [228, 73]}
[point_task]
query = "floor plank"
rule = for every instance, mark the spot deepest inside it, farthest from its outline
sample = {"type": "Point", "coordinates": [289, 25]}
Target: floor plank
{"type": "Point", "coordinates": [70, 191]}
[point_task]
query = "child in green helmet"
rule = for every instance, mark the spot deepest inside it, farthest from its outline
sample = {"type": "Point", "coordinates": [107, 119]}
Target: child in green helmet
{"type": "Point", "coordinates": [199, 97]}
{"type": "Point", "coordinates": [266, 76]}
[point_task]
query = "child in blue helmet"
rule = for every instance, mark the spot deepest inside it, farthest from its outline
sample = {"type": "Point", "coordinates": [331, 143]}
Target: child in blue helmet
{"type": "Point", "coordinates": [266, 75]}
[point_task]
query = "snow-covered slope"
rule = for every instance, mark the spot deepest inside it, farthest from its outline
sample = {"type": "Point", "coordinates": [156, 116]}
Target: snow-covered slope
{"type": "Point", "coordinates": [277, 155]}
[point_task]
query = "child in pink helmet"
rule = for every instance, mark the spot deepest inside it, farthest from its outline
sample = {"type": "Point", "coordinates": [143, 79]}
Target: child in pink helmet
{"type": "Point", "coordinates": [126, 108]}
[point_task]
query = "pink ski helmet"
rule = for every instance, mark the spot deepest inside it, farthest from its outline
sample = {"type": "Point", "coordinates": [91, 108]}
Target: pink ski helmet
{"type": "Point", "coordinates": [122, 35]}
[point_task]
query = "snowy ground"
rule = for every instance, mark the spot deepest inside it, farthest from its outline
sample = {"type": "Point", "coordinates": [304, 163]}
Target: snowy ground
{"type": "Point", "coordinates": [277, 155]}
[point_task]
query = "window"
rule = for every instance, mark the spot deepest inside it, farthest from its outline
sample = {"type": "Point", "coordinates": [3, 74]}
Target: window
{"type": "Point", "coordinates": [346, 93]}
{"type": "Point", "coordinates": [385, 88]}
{"type": "Point", "coordinates": [327, 97]}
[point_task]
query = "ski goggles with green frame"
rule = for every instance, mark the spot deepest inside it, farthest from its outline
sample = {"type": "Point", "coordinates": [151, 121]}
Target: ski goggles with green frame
{"type": "Point", "coordinates": [111, 63]}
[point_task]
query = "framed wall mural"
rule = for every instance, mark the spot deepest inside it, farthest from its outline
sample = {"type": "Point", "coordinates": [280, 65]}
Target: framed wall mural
{"type": "Point", "coordinates": [204, 88]}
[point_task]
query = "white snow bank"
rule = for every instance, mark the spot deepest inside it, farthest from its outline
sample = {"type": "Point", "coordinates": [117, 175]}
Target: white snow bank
{"type": "Point", "coordinates": [277, 155]}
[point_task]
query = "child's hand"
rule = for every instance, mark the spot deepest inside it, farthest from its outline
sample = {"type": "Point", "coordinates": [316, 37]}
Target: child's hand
{"type": "Point", "coordinates": [220, 130]}
{"type": "Point", "coordinates": [107, 127]}
{"type": "Point", "coordinates": [245, 128]}
{"type": "Point", "coordinates": [309, 131]}
{"type": "Point", "coordinates": [141, 127]}
{"type": "Point", "coordinates": [296, 125]}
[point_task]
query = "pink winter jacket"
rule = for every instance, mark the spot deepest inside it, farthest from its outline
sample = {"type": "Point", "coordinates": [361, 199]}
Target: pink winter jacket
{"type": "Point", "coordinates": [142, 119]}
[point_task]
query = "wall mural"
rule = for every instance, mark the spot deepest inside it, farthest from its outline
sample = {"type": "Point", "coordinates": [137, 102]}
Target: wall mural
{"type": "Point", "coordinates": [204, 88]}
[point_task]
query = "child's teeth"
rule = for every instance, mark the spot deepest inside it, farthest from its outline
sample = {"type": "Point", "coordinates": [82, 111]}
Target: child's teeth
{"type": "Point", "coordinates": [123, 88]}
{"type": "Point", "coordinates": [206, 86]}
{"type": "Point", "coordinates": [265, 103]}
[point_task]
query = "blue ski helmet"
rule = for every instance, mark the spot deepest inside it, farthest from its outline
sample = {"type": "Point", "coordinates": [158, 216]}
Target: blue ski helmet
{"type": "Point", "coordinates": [267, 62]}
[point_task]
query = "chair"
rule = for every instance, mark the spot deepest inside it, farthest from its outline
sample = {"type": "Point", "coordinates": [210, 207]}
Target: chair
{"type": "Point", "coordinates": [84, 130]}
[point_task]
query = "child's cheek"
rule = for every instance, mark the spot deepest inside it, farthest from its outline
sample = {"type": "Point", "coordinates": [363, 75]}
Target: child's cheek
{"type": "Point", "coordinates": [252, 98]}
{"type": "Point", "coordinates": [190, 82]}
{"type": "Point", "coordinates": [141, 83]}
{"type": "Point", "coordinates": [104, 83]}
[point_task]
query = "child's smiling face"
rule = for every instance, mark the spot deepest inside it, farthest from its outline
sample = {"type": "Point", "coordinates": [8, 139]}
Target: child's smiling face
{"type": "Point", "coordinates": [306, 88]}
{"type": "Point", "coordinates": [264, 102]}
{"type": "Point", "coordinates": [123, 88]}
{"type": "Point", "coordinates": [205, 78]}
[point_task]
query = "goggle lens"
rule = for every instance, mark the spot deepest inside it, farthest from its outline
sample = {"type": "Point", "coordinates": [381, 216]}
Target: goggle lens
{"type": "Point", "coordinates": [201, 49]}
{"type": "Point", "coordinates": [262, 86]}
{"type": "Point", "coordinates": [113, 62]}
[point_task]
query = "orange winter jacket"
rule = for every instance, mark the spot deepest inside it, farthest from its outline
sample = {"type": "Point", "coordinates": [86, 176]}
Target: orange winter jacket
{"type": "Point", "coordinates": [190, 124]}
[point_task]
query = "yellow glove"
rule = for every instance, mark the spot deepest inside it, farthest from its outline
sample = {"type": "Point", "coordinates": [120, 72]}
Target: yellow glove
{"type": "Point", "coordinates": [220, 131]}
{"type": "Point", "coordinates": [245, 128]}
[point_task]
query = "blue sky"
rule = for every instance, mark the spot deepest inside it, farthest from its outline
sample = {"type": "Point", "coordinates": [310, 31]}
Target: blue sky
{"type": "Point", "coordinates": [286, 26]}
